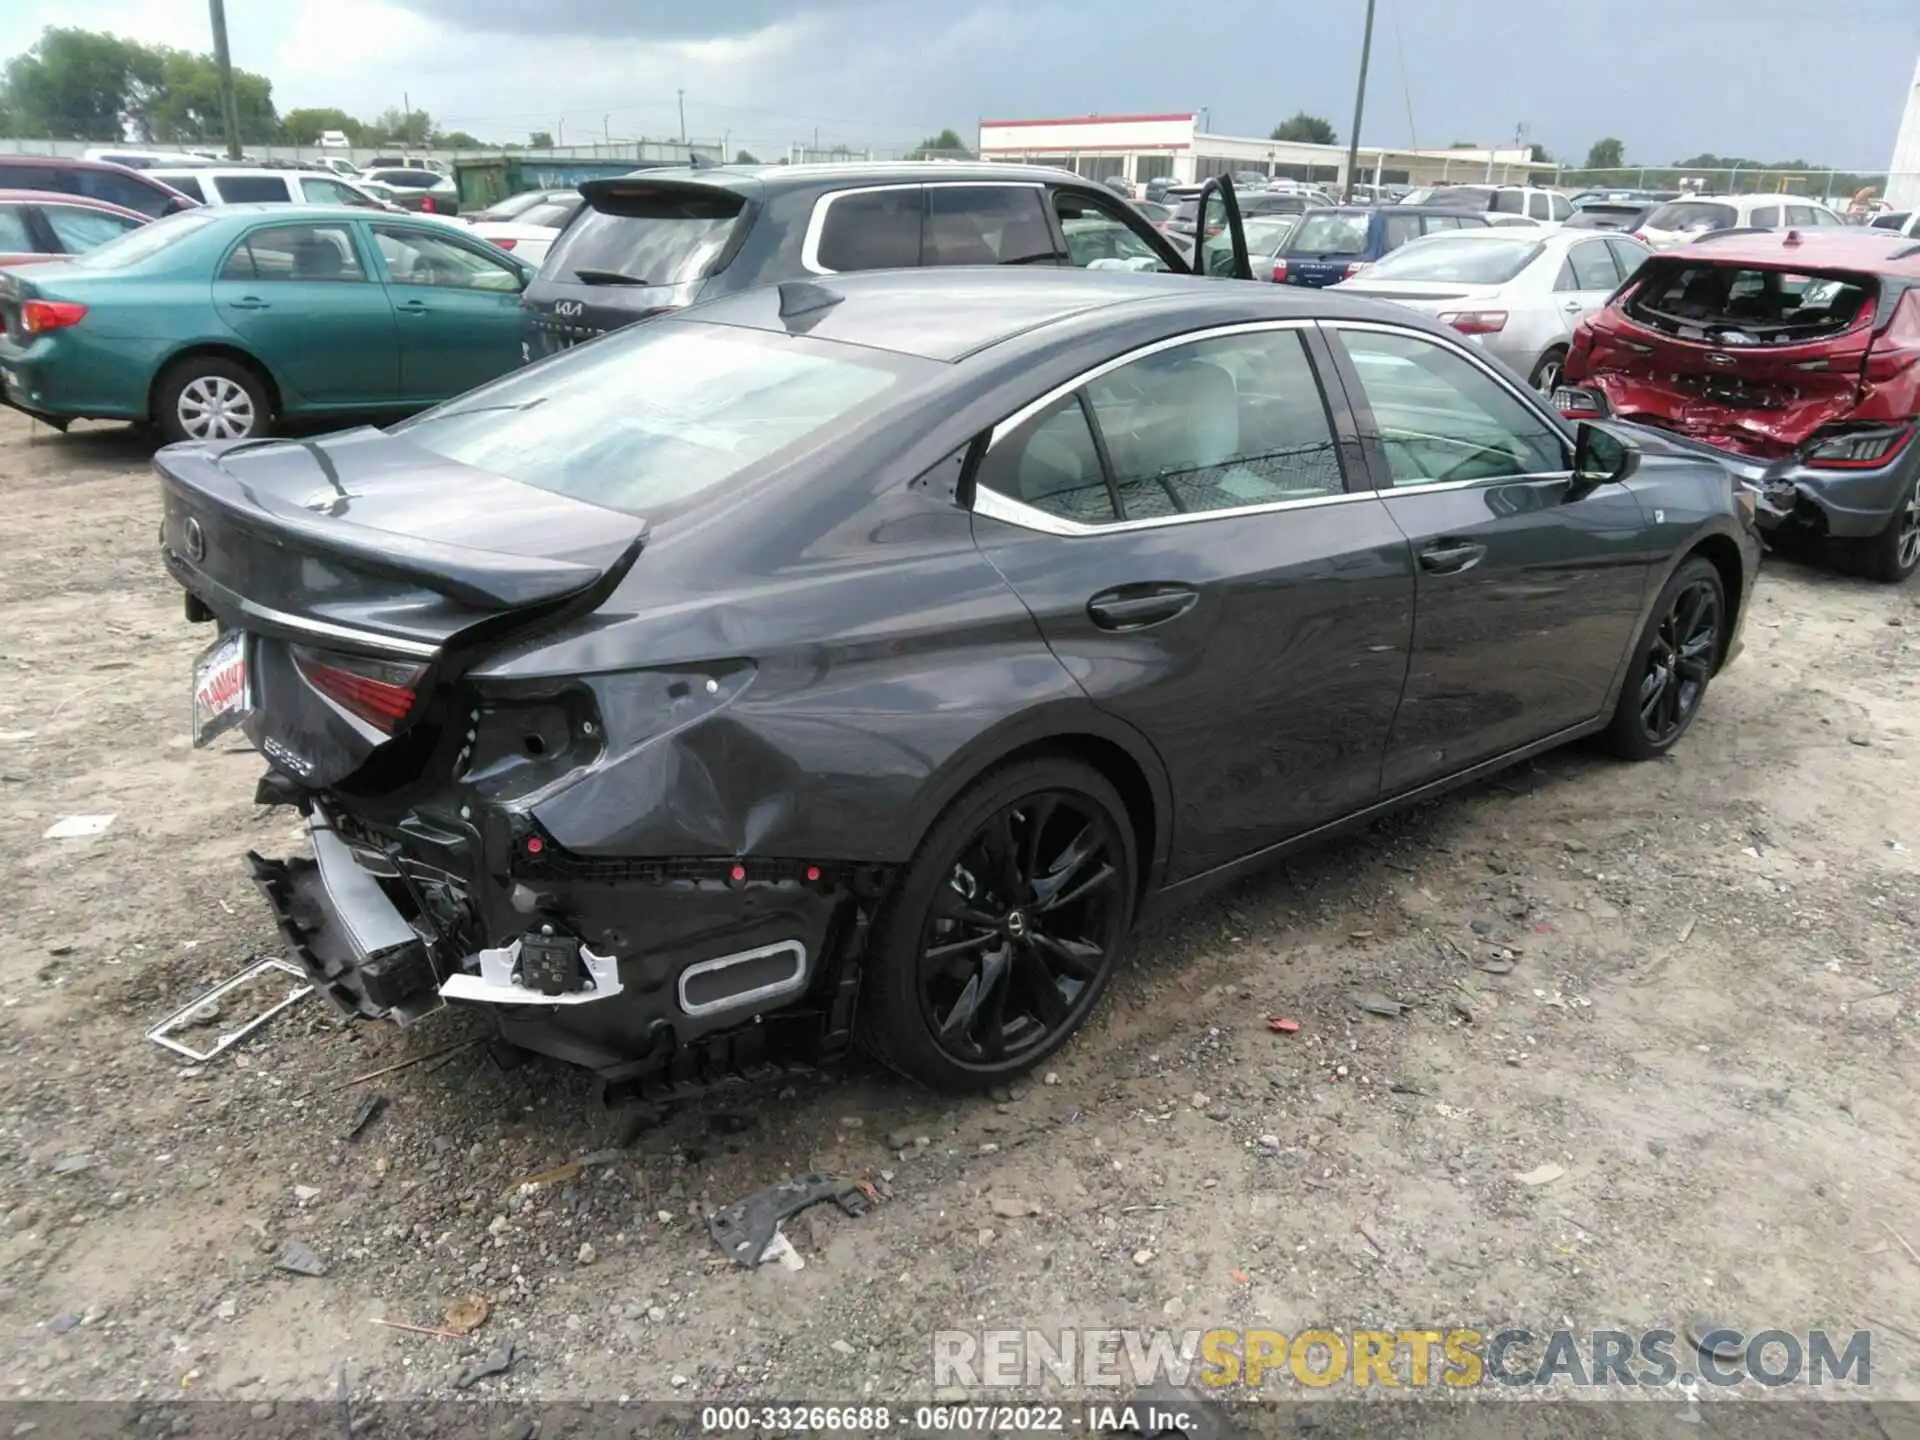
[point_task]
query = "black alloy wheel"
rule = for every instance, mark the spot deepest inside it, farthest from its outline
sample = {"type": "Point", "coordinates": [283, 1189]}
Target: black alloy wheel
{"type": "Point", "coordinates": [1005, 928]}
{"type": "Point", "coordinates": [1673, 664]}
{"type": "Point", "coordinates": [1894, 554]}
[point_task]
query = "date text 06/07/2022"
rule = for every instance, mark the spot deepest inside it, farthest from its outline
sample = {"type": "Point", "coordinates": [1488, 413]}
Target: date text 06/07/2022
{"type": "Point", "coordinates": [935, 1419]}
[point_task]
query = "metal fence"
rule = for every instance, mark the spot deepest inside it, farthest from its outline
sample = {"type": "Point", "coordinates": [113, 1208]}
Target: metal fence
{"type": "Point", "coordinates": [1900, 189]}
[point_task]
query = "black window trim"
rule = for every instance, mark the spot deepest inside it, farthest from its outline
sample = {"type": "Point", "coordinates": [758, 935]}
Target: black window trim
{"type": "Point", "coordinates": [996, 506]}
{"type": "Point", "coordinates": [295, 221]}
{"type": "Point", "coordinates": [1376, 461]}
{"type": "Point", "coordinates": [817, 222]}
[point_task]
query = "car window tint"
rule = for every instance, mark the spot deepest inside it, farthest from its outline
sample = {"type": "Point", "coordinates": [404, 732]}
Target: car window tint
{"type": "Point", "coordinates": [1768, 215]}
{"type": "Point", "coordinates": [1442, 418]}
{"type": "Point", "coordinates": [1508, 202]}
{"type": "Point", "coordinates": [322, 191]}
{"type": "Point", "coordinates": [871, 230]}
{"type": "Point", "coordinates": [16, 235]}
{"type": "Point", "coordinates": [123, 190]}
{"type": "Point", "coordinates": [1593, 267]}
{"type": "Point", "coordinates": [188, 185]}
{"type": "Point", "coordinates": [1100, 236]}
{"type": "Point", "coordinates": [986, 225]}
{"type": "Point", "coordinates": [1399, 229]}
{"type": "Point", "coordinates": [294, 252]}
{"type": "Point", "coordinates": [1628, 256]}
{"type": "Point", "coordinates": [648, 234]}
{"type": "Point", "coordinates": [1537, 207]}
{"type": "Point", "coordinates": [80, 230]}
{"type": "Point", "coordinates": [1051, 463]}
{"type": "Point", "coordinates": [252, 189]}
{"type": "Point", "coordinates": [1216, 425]}
{"type": "Point", "coordinates": [415, 257]}
{"type": "Point", "coordinates": [1562, 207]}
{"type": "Point", "coordinates": [653, 416]}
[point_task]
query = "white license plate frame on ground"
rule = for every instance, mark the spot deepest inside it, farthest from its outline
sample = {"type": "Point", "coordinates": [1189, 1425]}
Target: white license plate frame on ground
{"type": "Point", "coordinates": [222, 687]}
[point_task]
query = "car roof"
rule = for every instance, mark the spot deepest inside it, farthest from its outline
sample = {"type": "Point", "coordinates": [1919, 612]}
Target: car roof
{"type": "Point", "coordinates": [948, 313]}
{"type": "Point", "coordinates": [312, 214]}
{"type": "Point", "coordinates": [1880, 252]}
{"type": "Point", "coordinates": [60, 197]}
{"type": "Point", "coordinates": [846, 175]}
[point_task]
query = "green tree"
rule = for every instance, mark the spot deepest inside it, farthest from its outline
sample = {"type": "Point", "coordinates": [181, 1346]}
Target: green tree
{"type": "Point", "coordinates": [1540, 155]}
{"type": "Point", "coordinates": [181, 106]}
{"type": "Point", "coordinates": [77, 84]}
{"type": "Point", "coordinates": [540, 140]}
{"type": "Point", "coordinates": [391, 127]}
{"type": "Point", "coordinates": [1464, 145]}
{"type": "Point", "coordinates": [944, 145]}
{"type": "Point", "coordinates": [746, 157]}
{"type": "Point", "coordinates": [1607, 154]}
{"type": "Point", "coordinates": [1305, 129]}
{"type": "Point", "coordinates": [457, 140]}
{"type": "Point", "coordinates": [305, 127]}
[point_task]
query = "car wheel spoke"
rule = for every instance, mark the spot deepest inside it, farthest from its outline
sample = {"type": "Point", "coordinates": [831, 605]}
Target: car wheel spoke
{"type": "Point", "coordinates": [1076, 957]}
{"type": "Point", "coordinates": [968, 946]}
{"type": "Point", "coordinates": [1050, 1006]}
{"type": "Point", "coordinates": [1099, 880]}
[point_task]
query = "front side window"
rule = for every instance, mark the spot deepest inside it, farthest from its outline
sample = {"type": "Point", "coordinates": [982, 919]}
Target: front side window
{"type": "Point", "coordinates": [1099, 236]}
{"type": "Point", "coordinates": [294, 252]}
{"type": "Point", "coordinates": [1767, 215]}
{"type": "Point", "coordinates": [986, 225]}
{"type": "Point", "coordinates": [321, 191]}
{"type": "Point", "coordinates": [871, 230]}
{"type": "Point", "coordinates": [16, 235]}
{"type": "Point", "coordinates": [414, 257]}
{"type": "Point", "coordinates": [1592, 266]}
{"type": "Point", "coordinates": [653, 416]}
{"type": "Point", "coordinates": [253, 189]}
{"type": "Point", "coordinates": [1441, 418]}
{"type": "Point", "coordinates": [1219, 424]}
{"type": "Point", "coordinates": [80, 230]}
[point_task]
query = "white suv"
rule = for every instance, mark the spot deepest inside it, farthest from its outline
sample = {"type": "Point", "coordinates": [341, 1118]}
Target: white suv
{"type": "Point", "coordinates": [239, 186]}
{"type": "Point", "coordinates": [1542, 207]}
{"type": "Point", "coordinates": [1680, 221]}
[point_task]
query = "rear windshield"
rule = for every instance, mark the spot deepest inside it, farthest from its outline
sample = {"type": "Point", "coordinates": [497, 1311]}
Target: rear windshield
{"type": "Point", "coordinates": [1693, 215]}
{"type": "Point", "coordinates": [656, 236]}
{"type": "Point", "coordinates": [136, 245]}
{"type": "Point", "coordinates": [1729, 305]}
{"type": "Point", "coordinates": [408, 179]}
{"type": "Point", "coordinates": [548, 212]}
{"type": "Point", "coordinates": [1459, 261]}
{"type": "Point", "coordinates": [651, 417]}
{"type": "Point", "coordinates": [1330, 233]}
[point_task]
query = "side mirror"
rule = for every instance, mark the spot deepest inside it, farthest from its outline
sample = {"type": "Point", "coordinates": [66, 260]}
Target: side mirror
{"type": "Point", "coordinates": [1600, 457]}
{"type": "Point", "coordinates": [180, 203]}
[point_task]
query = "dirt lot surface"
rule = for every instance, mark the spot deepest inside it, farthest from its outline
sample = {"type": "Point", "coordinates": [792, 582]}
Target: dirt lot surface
{"type": "Point", "coordinates": [1708, 1024]}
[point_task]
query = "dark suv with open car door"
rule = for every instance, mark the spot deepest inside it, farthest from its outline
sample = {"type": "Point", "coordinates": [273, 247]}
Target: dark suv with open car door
{"type": "Point", "coordinates": [1794, 357]}
{"type": "Point", "coordinates": [659, 240]}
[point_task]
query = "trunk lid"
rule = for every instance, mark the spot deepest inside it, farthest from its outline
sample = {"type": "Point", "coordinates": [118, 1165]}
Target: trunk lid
{"type": "Point", "coordinates": [363, 546]}
{"type": "Point", "coordinates": [1718, 372]}
{"type": "Point", "coordinates": [1426, 296]}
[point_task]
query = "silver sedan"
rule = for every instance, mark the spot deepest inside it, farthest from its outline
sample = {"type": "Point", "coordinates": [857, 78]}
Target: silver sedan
{"type": "Point", "coordinates": [1517, 293]}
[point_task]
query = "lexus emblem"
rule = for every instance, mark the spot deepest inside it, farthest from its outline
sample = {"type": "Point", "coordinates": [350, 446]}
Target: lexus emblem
{"type": "Point", "coordinates": [567, 309]}
{"type": "Point", "coordinates": [196, 539]}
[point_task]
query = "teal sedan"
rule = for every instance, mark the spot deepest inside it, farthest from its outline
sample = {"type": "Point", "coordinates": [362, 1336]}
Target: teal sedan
{"type": "Point", "coordinates": [226, 322]}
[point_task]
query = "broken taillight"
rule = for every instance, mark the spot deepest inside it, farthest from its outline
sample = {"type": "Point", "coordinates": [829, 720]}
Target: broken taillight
{"type": "Point", "coordinates": [1279, 276]}
{"type": "Point", "coordinates": [380, 692]}
{"type": "Point", "coordinates": [503, 242]}
{"type": "Point", "coordinates": [1577, 402]}
{"type": "Point", "coordinates": [1856, 449]}
{"type": "Point", "coordinates": [1476, 322]}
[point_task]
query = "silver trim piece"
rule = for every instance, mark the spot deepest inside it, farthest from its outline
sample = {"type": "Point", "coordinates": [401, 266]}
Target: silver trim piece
{"type": "Point", "coordinates": [816, 222]}
{"type": "Point", "coordinates": [996, 506]}
{"type": "Point", "coordinates": [327, 630]}
{"type": "Point", "coordinates": [158, 1034]}
{"type": "Point", "coordinates": [792, 984]}
{"type": "Point", "coordinates": [495, 985]}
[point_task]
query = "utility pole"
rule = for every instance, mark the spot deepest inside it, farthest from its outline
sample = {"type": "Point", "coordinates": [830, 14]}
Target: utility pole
{"type": "Point", "coordinates": [1359, 103]}
{"type": "Point", "coordinates": [223, 63]}
{"type": "Point", "coordinates": [683, 116]}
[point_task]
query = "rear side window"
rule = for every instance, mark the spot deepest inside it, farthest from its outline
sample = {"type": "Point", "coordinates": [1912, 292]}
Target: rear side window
{"type": "Point", "coordinates": [986, 225]}
{"type": "Point", "coordinates": [1562, 207]}
{"type": "Point", "coordinates": [294, 252]}
{"type": "Point", "coordinates": [16, 236]}
{"type": "Point", "coordinates": [1592, 266]}
{"type": "Point", "coordinates": [123, 190]}
{"type": "Point", "coordinates": [80, 230]}
{"type": "Point", "coordinates": [1399, 229]}
{"type": "Point", "coordinates": [657, 414]}
{"type": "Point", "coordinates": [1538, 209]}
{"type": "Point", "coordinates": [1508, 202]}
{"type": "Point", "coordinates": [647, 235]}
{"type": "Point", "coordinates": [1693, 215]}
{"type": "Point", "coordinates": [189, 185]}
{"type": "Point", "coordinates": [249, 189]}
{"type": "Point", "coordinates": [870, 230]}
{"type": "Point", "coordinates": [1768, 215]}
{"type": "Point", "coordinates": [1736, 305]}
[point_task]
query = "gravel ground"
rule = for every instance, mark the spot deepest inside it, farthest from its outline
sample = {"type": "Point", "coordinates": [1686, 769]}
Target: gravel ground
{"type": "Point", "coordinates": [1689, 985]}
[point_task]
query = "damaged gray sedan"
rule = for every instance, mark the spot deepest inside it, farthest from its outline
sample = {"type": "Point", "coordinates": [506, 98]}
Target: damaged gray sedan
{"type": "Point", "coordinates": [866, 656]}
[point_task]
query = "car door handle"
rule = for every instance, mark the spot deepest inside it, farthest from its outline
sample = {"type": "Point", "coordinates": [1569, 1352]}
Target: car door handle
{"type": "Point", "coordinates": [1135, 607]}
{"type": "Point", "coordinates": [1450, 557]}
{"type": "Point", "coordinates": [412, 307]}
{"type": "Point", "coordinates": [249, 302]}
{"type": "Point", "coordinates": [1574, 307]}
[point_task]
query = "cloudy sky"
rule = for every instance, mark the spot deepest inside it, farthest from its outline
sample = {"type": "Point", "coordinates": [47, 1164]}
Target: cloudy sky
{"type": "Point", "coordinates": [1772, 79]}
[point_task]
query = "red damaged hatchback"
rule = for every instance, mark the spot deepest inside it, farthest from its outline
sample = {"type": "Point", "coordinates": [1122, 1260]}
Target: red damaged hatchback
{"type": "Point", "coordinates": [1793, 357]}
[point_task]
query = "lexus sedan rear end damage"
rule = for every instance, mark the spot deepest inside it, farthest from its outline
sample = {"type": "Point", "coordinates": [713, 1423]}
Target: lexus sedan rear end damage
{"type": "Point", "coordinates": [869, 658]}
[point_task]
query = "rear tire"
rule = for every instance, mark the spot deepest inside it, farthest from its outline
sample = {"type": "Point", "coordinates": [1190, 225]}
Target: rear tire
{"type": "Point", "coordinates": [1894, 554]}
{"type": "Point", "coordinates": [1547, 370]}
{"type": "Point", "coordinates": [210, 397]}
{"type": "Point", "coordinates": [1672, 665]}
{"type": "Point", "coordinates": [1004, 929]}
